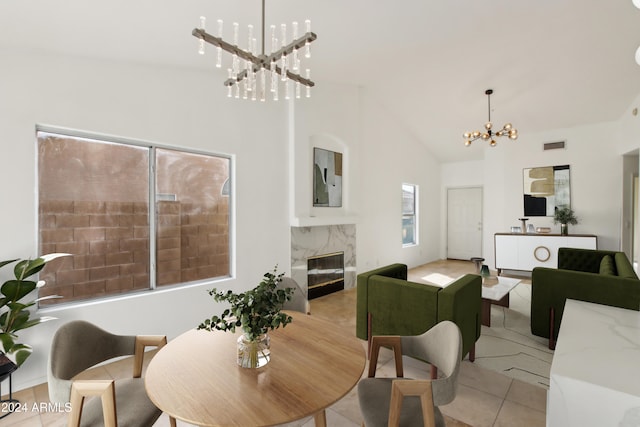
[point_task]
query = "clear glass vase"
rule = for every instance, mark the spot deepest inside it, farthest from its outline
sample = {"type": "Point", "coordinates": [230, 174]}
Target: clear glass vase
{"type": "Point", "coordinates": [253, 353]}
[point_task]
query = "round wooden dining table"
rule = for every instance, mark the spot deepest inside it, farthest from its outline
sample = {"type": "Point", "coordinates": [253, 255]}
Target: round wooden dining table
{"type": "Point", "coordinates": [195, 377]}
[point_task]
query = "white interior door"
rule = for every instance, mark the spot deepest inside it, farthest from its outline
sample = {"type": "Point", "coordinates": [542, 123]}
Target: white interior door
{"type": "Point", "coordinates": [464, 223]}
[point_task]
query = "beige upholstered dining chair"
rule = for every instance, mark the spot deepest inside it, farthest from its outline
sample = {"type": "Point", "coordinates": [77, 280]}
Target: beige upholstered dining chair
{"type": "Point", "coordinates": [382, 400]}
{"type": "Point", "coordinates": [299, 302]}
{"type": "Point", "coordinates": [79, 345]}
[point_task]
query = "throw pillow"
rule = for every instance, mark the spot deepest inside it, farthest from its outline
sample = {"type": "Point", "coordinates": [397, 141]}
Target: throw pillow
{"type": "Point", "coordinates": [607, 267]}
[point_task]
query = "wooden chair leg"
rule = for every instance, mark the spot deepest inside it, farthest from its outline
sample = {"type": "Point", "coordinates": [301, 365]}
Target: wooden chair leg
{"type": "Point", "coordinates": [420, 388]}
{"type": "Point", "coordinates": [172, 422]}
{"type": "Point", "coordinates": [434, 372]}
{"type": "Point", "coordinates": [552, 321]}
{"type": "Point", "coordinates": [103, 389]}
{"type": "Point", "coordinates": [472, 353]}
{"type": "Point", "coordinates": [320, 419]}
{"type": "Point", "coordinates": [369, 319]}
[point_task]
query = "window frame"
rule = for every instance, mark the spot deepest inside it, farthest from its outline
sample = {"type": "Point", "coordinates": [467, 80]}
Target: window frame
{"type": "Point", "coordinates": [152, 147]}
{"type": "Point", "coordinates": [413, 215]}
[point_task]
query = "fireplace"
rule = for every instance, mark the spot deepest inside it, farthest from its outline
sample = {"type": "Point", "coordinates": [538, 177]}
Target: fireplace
{"type": "Point", "coordinates": [325, 274]}
{"type": "Point", "coordinates": [311, 242]}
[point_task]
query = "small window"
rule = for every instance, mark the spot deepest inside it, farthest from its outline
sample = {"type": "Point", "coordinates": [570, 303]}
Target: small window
{"type": "Point", "coordinates": [409, 215]}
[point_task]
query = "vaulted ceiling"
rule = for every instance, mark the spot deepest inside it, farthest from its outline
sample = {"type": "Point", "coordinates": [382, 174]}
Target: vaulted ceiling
{"type": "Point", "coordinates": [551, 63]}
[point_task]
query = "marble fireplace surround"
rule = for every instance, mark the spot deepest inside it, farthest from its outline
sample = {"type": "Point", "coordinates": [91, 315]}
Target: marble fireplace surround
{"type": "Point", "coordinates": [312, 241]}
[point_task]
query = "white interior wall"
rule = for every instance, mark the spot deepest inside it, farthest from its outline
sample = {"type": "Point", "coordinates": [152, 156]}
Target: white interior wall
{"type": "Point", "coordinates": [330, 121]}
{"type": "Point", "coordinates": [596, 181]}
{"type": "Point", "coordinates": [390, 157]}
{"type": "Point", "coordinates": [168, 106]}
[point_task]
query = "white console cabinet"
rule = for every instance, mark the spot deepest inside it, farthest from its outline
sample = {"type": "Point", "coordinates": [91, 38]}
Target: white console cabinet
{"type": "Point", "coordinates": [514, 251]}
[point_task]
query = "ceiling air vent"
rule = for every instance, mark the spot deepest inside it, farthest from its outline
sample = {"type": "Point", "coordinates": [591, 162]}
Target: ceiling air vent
{"type": "Point", "coordinates": [553, 145]}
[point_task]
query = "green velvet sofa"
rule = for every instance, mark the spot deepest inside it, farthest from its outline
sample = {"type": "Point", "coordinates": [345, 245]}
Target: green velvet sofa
{"type": "Point", "coordinates": [388, 304]}
{"type": "Point", "coordinates": [598, 276]}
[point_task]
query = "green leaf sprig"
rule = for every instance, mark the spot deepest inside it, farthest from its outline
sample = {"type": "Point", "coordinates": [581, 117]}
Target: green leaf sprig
{"type": "Point", "coordinates": [256, 311]}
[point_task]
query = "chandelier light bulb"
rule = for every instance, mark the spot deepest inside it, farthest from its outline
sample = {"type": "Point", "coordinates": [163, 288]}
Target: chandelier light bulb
{"type": "Point", "coordinates": [250, 38]}
{"type": "Point", "coordinates": [219, 49]}
{"type": "Point", "coordinates": [467, 135]}
{"type": "Point", "coordinates": [203, 21]}
{"type": "Point", "coordinates": [467, 143]}
{"type": "Point", "coordinates": [488, 125]}
{"type": "Point", "coordinates": [236, 32]}
{"type": "Point", "coordinates": [274, 41]}
{"type": "Point", "coordinates": [307, 48]}
{"type": "Point", "coordinates": [507, 126]}
{"type": "Point", "coordinates": [493, 143]}
{"type": "Point", "coordinates": [283, 34]}
{"type": "Point", "coordinates": [274, 76]}
{"type": "Point", "coordinates": [485, 136]}
{"type": "Point", "coordinates": [283, 68]}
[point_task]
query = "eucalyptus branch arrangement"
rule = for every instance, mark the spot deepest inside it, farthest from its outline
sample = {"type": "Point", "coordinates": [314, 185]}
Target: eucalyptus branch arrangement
{"type": "Point", "coordinates": [257, 310]}
{"type": "Point", "coordinates": [565, 216]}
{"type": "Point", "coordinates": [16, 315]}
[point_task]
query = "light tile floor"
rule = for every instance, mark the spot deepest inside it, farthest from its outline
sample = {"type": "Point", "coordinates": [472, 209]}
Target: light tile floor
{"type": "Point", "coordinates": [484, 398]}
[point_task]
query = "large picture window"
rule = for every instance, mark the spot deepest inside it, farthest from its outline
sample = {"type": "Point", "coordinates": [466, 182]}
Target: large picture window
{"type": "Point", "coordinates": [409, 215]}
{"type": "Point", "coordinates": [94, 202]}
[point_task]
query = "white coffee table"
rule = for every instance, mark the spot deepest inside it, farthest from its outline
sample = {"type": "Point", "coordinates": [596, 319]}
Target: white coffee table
{"type": "Point", "coordinates": [497, 294]}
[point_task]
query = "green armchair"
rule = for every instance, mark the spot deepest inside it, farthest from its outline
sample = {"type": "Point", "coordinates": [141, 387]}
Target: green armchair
{"type": "Point", "coordinates": [389, 304]}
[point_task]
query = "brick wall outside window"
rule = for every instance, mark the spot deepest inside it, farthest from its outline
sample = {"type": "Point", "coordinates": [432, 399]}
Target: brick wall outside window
{"type": "Point", "coordinates": [109, 240]}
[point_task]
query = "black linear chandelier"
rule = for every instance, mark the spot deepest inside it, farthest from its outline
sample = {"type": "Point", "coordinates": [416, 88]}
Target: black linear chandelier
{"type": "Point", "coordinates": [507, 130]}
{"type": "Point", "coordinates": [249, 70]}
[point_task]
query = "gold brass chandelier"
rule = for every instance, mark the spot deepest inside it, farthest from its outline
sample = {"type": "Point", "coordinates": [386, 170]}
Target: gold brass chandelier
{"type": "Point", "coordinates": [250, 70]}
{"type": "Point", "coordinates": [507, 130]}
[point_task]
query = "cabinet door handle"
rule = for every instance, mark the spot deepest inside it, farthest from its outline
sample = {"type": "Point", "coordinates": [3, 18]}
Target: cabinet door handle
{"type": "Point", "coordinates": [539, 253]}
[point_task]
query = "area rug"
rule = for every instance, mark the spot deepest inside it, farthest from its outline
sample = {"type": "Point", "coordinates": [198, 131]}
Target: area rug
{"type": "Point", "coordinates": [508, 345]}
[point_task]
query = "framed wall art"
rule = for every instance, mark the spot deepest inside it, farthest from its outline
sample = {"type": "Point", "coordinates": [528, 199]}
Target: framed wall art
{"type": "Point", "coordinates": [327, 178]}
{"type": "Point", "coordinates": [546, 189]}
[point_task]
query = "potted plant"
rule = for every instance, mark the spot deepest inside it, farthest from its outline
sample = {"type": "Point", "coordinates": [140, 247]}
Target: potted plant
{"type": "Point", "coordinates": [256, 311]}
{"type": "Point", "coordinates": [565, 216]}
{"type": "Point", "coordinates": [15, 314]}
